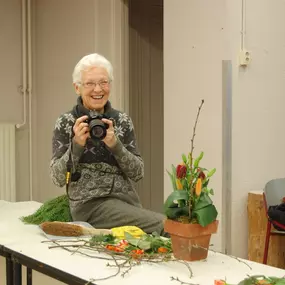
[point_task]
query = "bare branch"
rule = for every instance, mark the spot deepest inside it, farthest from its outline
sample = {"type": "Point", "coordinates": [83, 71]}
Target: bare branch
{"type": "Point", "coordinates": [231, 256]}
{"type": "Point", "coordinates": [181, 282]}
{"type": "Point", "coordinates": [191, 159]}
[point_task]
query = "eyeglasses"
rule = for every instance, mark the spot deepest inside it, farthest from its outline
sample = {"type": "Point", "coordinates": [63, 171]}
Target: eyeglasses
{"type": "Point", "coordinates": [92, 85]}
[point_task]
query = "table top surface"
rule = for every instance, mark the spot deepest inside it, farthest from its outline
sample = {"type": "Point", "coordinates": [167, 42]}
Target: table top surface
{"type": "Point", "coordinates": [28, 240]}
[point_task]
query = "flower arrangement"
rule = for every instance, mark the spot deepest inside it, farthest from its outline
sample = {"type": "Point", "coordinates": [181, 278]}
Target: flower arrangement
{"type": "Point", "coordinates": [147, 246]}
{"type": "Point", "coordinates": [190, 200]}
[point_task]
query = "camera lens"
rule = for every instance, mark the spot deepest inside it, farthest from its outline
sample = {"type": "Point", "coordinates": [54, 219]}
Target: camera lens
{"type": "Point", "coordinates": [97, 132]}
{"type": "Point", "coordinates": [97, 129]}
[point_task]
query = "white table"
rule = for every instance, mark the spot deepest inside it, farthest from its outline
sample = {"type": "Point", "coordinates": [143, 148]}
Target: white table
{"type": "Point", "coordinates": [23, 244]}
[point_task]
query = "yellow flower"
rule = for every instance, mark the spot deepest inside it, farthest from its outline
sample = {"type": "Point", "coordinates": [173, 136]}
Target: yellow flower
{"type": "Point", "coordinates": [119, 232]}
{"type": "Point", "coordinates": [198, 187]}
{"type": "Point", "coordinates": [179, 184]}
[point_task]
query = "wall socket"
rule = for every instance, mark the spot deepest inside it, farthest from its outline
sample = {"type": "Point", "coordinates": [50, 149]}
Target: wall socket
{"type": "Point", "coordinates": [244, 57]}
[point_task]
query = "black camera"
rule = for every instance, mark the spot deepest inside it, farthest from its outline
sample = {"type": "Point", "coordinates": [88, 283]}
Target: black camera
{"type": "Point", "coordinates": [98, 129]}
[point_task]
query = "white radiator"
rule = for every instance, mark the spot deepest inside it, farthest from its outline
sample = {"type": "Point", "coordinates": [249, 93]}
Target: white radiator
{"type": "Point", "coordinates": [7, 162]}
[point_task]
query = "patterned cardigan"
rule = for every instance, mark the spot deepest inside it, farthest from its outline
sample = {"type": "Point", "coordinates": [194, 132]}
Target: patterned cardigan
{"type": "Point", "coordinates": [100, 171]}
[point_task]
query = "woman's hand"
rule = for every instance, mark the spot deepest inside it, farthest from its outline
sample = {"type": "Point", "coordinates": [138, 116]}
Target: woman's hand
{"type": "Point", "coordinates": [110, 140]}
{"type": "Point", "coordinates": [81, 131]}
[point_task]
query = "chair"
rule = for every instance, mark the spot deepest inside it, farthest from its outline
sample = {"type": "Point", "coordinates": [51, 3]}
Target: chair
{"type": "Point", "coordinates": [273, 194]}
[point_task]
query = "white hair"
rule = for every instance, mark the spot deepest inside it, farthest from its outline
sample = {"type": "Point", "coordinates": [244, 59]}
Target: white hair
{"type": "Point", "coordinates": [89, 61]}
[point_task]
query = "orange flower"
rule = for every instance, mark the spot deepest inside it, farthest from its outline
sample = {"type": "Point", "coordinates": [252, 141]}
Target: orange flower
{"type": "Point", "coordinates": [114, 248]}
{"type": "Point", "coordinates": [263, 281]}
{"type": "Point", "coordinates": [110, 247]}
{"type": "Point", "coordinates": [162, 250]}
{"type": "Point", "coordinates": [118, 249]}
{"type": "Point", "coordinates": [137, 253]}
{"type": "Point", "coordinates": [220, 282]}
{"type": "Point", "coordinates": [198, 186]}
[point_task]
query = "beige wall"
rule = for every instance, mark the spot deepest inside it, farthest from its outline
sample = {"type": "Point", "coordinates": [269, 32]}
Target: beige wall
{"type": "Point", "coordinates": [258, 106]}
{"type": "Point", "coordinates": [193, 51]}
{"type": "Point", "coordinates": [59, 39]}
{"type": "Point", "coordinates": [198, 35]}
{"type": "Point", "coordinates": [11, 65]}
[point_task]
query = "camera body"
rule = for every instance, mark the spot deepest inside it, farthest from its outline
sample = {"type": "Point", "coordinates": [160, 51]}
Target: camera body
{"type": "Point", "coordinates": [98, 129]}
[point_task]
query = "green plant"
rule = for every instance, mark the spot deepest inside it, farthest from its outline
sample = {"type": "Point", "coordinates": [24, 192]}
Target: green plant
{"type": "Point", "coordinates": [256, 280]}
{"type": "Point", "coordinates": [55, 209]}
{"type": "Point", "coordinates": [190, 200]}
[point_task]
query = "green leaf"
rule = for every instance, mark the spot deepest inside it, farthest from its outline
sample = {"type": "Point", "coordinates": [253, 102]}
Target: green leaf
{"type": "Point", "coordinates": [211, 172]}
{"type": "Point", "coordinates": [143, 244]}
{"type": "Point", "coordinates": [155, 234]}
{"type": "Point", "coordinates": [204, 201]}
{"type": "Point", "coordinates": [256, 278]}
{"type": "Point", "coordinates": [156, 243]}
{"type": "Point", "coordinates": [171, 205]}
{"type": "Point", "coordinates": [173, 181]}
{"type": "Point", "coordinates": [138, 242]}
{"type": "Point", "coordinates": [173, 171]}
{"type": "Point", "coordinates": [175, 196]}
{"type": "Point", "coordinates": [205, 183]}
{"type": "Point", "coordinates": [203, 169]}
{"type": "Point", "coordinates": [102, 238]}
{"type": "Point", "coordinates": [176, 212]}
{"type": "Point", "coordinates": [211, 191]}
{"type": "Point", "coordinates": [206, 215]}
{"type": "Point", "coordinates": [198, 159]}
{"type": "Point", "coordinates": [171, 209]}
{"type": "Point", "coordinates": [280, 282]}
{"type": "Point", "coordinates": [128, 236]}
{"type": "Point", "coordinates": [184, 158]}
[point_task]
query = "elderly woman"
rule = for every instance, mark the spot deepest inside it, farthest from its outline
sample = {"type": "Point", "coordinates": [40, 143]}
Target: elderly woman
{"type": "Point", "coordinates": [103, 165]}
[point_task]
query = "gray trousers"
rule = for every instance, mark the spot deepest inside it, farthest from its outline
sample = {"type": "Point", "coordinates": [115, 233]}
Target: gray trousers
{"type": "Point", "coordinates": [111, 212]}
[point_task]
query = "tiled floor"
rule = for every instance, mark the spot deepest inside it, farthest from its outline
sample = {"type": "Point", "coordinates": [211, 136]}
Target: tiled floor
{"type": "Point", "coordinates": [38, 278]}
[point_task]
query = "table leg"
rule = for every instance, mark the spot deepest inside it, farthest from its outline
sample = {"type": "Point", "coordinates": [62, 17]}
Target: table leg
{"type": "Point", "coordinates": [29, 276]}
{"type": "Point", "coordinates": [9, 271]}
{"type": "Point", "coordinates": [17, 273]}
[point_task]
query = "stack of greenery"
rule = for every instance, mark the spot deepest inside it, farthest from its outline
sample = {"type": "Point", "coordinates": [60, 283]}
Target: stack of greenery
{"type": "Point", "coordinates": [56, 209]}
{"type": "Point", "coordinates": [256, 280]}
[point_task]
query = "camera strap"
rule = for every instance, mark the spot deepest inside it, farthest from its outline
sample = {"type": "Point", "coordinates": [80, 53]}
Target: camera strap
{"type": "Point", "coordinates": [70, 176]}
{"type": "Point", "coordinates": [79, 110]}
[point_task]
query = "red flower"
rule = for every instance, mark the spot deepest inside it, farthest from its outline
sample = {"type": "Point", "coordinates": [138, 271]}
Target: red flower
{"type": "Point", "coordinates": [181, 171]}
{"type": "Point", "coordinates": [201, 174]}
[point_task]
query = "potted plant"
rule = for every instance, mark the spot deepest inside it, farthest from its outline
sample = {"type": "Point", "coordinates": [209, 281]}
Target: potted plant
{"type": "Point", "coordinates": [191, 215]}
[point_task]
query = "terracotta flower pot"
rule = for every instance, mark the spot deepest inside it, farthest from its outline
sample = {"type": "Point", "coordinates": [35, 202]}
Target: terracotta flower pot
{"type": "Point", "coordinates": [190, 242]}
